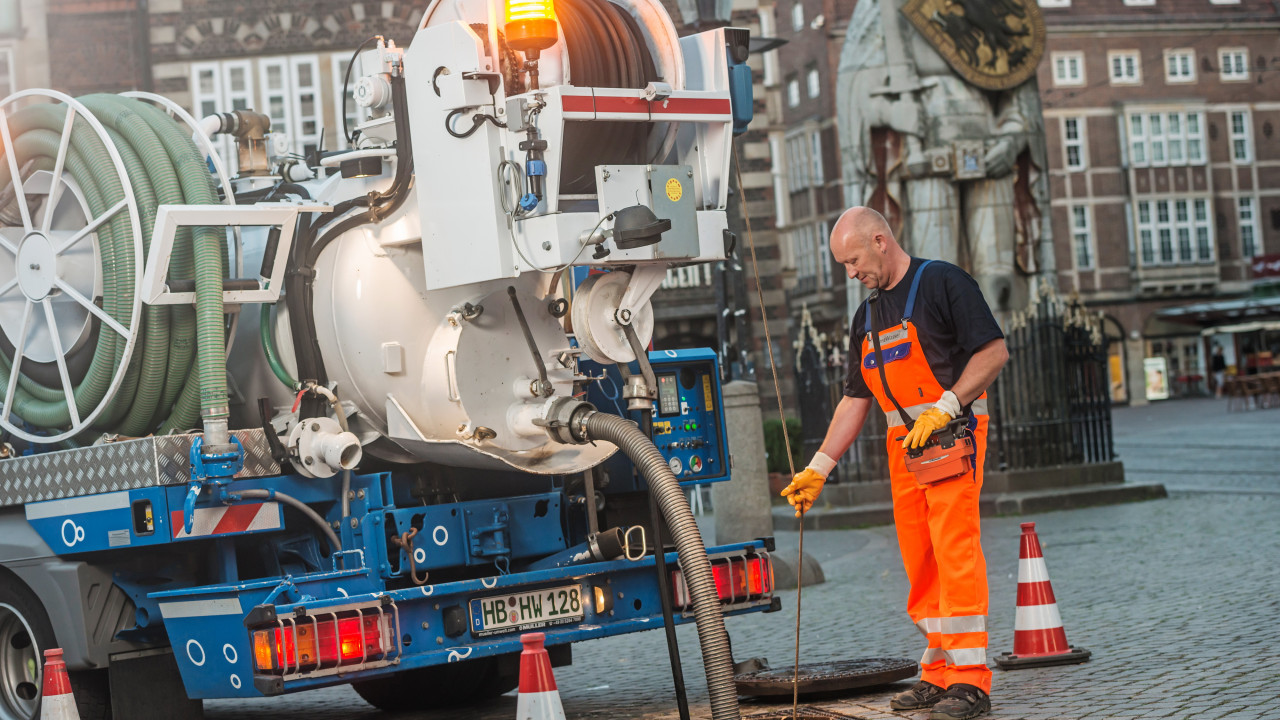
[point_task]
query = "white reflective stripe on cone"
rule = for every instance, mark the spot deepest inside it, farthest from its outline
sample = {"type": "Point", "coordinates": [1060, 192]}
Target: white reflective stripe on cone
{"type": "Point", "coordinates": [1032, 570]}
{"type": "Point", "coordinates": [966, 656]}
{"type": "Point", "coordinates": [929, 625]}
{"type": "Point", "coordinates": [932, 655]}
{"type": "Point", "coordinates": [1037, 617]}
{"type": "Point", "coordinates": [964, 624]}
{"type": "Point", "coordinates": [59, 707]}
{"type": "Point", "coordinates": [539, 706]}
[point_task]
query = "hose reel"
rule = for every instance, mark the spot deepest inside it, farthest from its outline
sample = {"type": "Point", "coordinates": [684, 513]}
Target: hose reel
{"type": "Point", "coordinates": [80, 182]}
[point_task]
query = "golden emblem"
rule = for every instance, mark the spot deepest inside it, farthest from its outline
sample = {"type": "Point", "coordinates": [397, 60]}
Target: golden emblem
{"type": "Point", "coordinates": [994, 44]}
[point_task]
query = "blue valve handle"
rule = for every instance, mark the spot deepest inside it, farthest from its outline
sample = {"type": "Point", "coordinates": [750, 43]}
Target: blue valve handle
{"type": "Point", "coordinates": [189, 505]}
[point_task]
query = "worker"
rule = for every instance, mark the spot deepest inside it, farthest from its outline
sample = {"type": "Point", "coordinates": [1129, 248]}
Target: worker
{"type": "Point", "coordinates": [941, 348]}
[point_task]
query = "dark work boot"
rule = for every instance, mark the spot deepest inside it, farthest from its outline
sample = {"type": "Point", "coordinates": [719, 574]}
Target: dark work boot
{"type": "Point", "coordinates": [921, 695]}
{"type": "Point", "coordinates": [961, 702]}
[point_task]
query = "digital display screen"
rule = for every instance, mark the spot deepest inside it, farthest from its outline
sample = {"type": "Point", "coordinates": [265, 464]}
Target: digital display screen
{"type": "Point", "coordinates": [668, 395]}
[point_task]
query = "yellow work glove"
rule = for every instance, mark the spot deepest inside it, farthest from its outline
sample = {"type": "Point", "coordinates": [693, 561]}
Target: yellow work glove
{"type": "Point", "coordinates": [931, 420]}
{"type": "Point", "coordinates": [807, 484]}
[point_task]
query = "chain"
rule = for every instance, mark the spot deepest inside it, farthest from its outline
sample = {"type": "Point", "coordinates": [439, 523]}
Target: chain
{"type": "Point", "coordinates": [786, 437]}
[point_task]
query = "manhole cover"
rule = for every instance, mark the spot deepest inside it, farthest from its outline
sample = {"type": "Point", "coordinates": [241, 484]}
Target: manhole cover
{"type": "Point", "coordinates": [801, 713]}
{"type": "Point", "coordinates": [829, 677]}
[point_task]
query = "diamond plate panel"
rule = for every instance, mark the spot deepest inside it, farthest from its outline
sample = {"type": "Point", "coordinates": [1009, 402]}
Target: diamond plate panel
{"type": "Point", "coordinates": [125, 465]}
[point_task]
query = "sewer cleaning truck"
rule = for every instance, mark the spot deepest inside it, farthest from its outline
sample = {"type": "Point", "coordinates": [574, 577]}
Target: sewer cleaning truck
{"type": "Point", "coordinates": [365, 417]}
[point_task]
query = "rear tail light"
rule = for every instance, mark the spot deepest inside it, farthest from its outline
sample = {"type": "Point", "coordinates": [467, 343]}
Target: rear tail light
{"type": "Point", "coordinates": [738, 579]}
{"type": "Point", "coordinates": [329, 640]}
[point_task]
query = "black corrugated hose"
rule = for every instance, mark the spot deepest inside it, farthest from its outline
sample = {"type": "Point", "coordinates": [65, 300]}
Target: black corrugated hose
{"type": "Point", "coordinates": [717, 658]}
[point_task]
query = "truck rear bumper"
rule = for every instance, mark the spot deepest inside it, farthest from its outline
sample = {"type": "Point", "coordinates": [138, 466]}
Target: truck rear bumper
{"type": "Point", "coordinates": [338, 627]}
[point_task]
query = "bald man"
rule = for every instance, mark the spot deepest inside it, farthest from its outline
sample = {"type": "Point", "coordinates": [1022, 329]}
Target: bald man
{"type": "Point", "coordinates": [938, 349]}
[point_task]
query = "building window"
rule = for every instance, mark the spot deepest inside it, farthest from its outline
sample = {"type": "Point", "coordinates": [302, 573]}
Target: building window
{"type": "Point", "coordinates": [1248, 227]}
{"type": "Point", "coordinates": [345, 105]}
{"type": "Point", "coordinates": [1139, 2]}
{"type": "Point", "coordinates": [1080, 237]}
{"type": "Point", "coordinates": [797, 17]}
{"type": "Point", "coordinates": [793, 91]}
{"type": "Point", "coordinates": [1055, 3]}
{"type": "Point", "coordinates": [799, 165]}
{"type": "Point", "coordinates": [1174, 231]}
{"type": "Point", "coordinates": [11, 19]}
{"type": "Point", "coordinates": [7, 83]}
{"type": "Point", "coordinates": [816, 176]}
{"type": "Point", "coordinates": [1179, 66]}
{"type": "Point", "coordinates": [1163, 139]}
{"type": "Point", "coordinates": [1073, 143]}
{"type": "Point", "coordinates": [1126, 67]}
{"type": "Point", "coordinates": [1068, 69]}
{"type": "Point", "coordinates": [1241, 143]}
{"type": "Point", "coordinates": [768, 29]}
{"type": "Point", "coordinates": [814, 80]}
{"type": "Point", "coordinates": [1234, 63]}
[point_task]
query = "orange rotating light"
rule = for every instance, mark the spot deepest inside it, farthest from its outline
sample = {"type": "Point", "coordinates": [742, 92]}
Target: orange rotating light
{"type": "Point", "coordinates": [531, 25]}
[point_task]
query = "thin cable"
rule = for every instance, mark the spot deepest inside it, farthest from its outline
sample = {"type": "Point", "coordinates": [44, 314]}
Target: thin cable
{"type": "Point", "coordinates": [786, 437]}
{"type": "Point", "coordinates": [346, 82]}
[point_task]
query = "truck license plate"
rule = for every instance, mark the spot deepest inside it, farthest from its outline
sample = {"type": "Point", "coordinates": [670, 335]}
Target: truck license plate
{"type": "Point", "coordinates": [526, 611]}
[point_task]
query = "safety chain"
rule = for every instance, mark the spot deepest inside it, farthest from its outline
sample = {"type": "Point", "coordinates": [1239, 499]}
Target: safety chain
{"type": "Point", "coordinates": [405, 540]}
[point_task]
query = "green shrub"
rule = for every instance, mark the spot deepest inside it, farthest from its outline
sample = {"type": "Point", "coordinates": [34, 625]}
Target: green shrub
{"type": "Point", "coordinates": [774, 444]}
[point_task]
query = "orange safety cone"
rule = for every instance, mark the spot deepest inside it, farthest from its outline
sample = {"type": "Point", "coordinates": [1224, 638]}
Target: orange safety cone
{"type": "Point", "coordinates": [1038, 636]}
{"type": "Point", "coordinates": [58, 703]}
{"type": "Point", "coordinates": [538, 699]}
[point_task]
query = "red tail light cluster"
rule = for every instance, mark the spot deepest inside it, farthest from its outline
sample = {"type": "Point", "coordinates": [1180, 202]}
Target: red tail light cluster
{"type": "Point", "coordinates": [313, 643]}
{"type": "Point", "coordinates": [738, 579]}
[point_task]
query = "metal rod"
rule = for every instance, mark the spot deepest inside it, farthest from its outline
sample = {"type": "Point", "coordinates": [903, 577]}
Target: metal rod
{"type": "Point", "coordinates": [664, 586]}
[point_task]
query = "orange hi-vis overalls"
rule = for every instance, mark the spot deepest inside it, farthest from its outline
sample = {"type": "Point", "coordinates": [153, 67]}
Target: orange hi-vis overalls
{"type": "Point", "coordinates": [938, 529]}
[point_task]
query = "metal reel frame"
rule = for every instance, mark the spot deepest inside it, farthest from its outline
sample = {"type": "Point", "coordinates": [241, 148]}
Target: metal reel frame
{"type": "Point", "coordinates": [32, 229]}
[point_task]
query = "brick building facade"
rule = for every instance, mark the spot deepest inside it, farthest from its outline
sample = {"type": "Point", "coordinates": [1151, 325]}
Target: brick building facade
{"type": "Point", "coordinates": [1165, 173]}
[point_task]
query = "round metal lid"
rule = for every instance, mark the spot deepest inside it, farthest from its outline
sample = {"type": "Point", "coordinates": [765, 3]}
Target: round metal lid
{"type": "Point", "coordinates": [827, 677]}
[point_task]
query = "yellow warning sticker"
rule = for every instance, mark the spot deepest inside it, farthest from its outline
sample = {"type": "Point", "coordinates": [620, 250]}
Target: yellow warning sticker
{"type": "Point", "coordinates": [674, 190]}
{"type": "Point", "coordinates": [706, 390]}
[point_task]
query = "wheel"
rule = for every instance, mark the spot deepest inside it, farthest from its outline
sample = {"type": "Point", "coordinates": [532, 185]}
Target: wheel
{"type": "Point", "coordinates": [446, 685]}
{"type": "Point", "coordinates": [25, 633]}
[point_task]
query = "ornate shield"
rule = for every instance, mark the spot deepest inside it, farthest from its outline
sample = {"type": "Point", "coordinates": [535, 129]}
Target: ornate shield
{"type": "Point", "coordinates": [994, 44]}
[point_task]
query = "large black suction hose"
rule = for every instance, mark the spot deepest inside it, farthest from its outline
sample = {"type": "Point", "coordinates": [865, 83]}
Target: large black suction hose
{"type": "Point", "coordinates": [716, 656]}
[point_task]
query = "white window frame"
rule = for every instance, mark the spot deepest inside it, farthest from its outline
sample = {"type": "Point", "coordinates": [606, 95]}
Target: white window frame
{"type": "Point", "coordinates": [793, 91]}
{"type": "Point", "coordinates": [1173, 74]}
{"type": "Point", "coordinates": [1063, 62]}
{"type": "Point", "coordinates": [1139, 2]}
{"type": "Point", "coordinates": [1124, 78]}
{"type": "Point", "coordinates": [1081, 237]}
{"type": "Point", "coordinates": [296, 91]}
{"type": "Point", "coordinates": [216, 104]}
{"type": "Point", "coordinates": [282, 123]}
{"type": "Point", "coordinates": [1247, 216]}
{"type": "Point", "coordinates": [816, 174]}
{"type": "Point", "coordinates": [797, 16]}
{"type": "Point", "coordinates": [1055, 3]}
{"type": "Point", "coordinates": [813, 79]}
{"type": "Point", "coordinates": [9, 79]}
{"type": "Point", "coordinates": [799, 165]}
{"type": "Point", "coordinates": [338, 64]}
{"type": "Point", "coordinates": [1164, 229]}
{"type": "Point", "coordinates": [1234, 75]}
{"type": "Point", "coordinates": [1149, 148]}
{"type": "Point", "coordinates": [1078, 143]}
{"type": "Point", "coordinates": [768, 28]}
{"type": "Point", "coordinates": [1242, 139]}
{"type": "Point", "coordinates": [781, 199]}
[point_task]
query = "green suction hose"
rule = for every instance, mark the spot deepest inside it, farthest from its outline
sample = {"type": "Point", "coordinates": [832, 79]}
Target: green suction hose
{"type": "Point", "coordinates": [159, 392]}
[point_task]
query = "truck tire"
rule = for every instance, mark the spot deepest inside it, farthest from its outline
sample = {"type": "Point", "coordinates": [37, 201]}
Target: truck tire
{"type": "Point", "coordinates": [438, 686]}
{"type": "Point", "coordinates": [25, 633]}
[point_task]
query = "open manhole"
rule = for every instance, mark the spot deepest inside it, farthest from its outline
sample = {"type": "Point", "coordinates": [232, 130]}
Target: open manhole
{"type": "Point", "coordinates": [824, 678]}
{"type": "Point", "coordinates": [802, 712]}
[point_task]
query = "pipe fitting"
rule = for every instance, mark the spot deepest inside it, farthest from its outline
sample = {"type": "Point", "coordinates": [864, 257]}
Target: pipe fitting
{"type": "Point", "coordinates": [320, 448]}
{"type": "Point", "coordinates": [566, 420]}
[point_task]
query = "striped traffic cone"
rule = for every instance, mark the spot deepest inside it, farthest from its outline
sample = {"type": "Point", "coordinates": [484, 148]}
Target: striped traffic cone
{"type": "Point", "coordinates": [538, 699]}
{"type": "Point", "coordinates": [58, 703]}
{"type": "Point", "coordinates": [1038, 636]}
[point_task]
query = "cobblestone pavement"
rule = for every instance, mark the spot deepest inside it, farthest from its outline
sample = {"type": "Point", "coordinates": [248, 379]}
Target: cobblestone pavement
{"type": "Point", "coordinates": [1176, 598]}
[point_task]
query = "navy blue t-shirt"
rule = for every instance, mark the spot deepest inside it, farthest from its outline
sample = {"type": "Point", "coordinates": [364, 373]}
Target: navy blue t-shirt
{"type": "Point", "coordinates": [951, 317]}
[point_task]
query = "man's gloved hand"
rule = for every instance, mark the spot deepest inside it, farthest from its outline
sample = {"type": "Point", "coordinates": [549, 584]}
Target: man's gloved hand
{"type": "Point", "coordinates": [807, 484]}
{"type": "Point", "coordinates": [931, 420]}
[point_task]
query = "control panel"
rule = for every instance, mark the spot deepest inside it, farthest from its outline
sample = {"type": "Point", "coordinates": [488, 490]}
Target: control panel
{"type": "Point", "coordinates": [688, 416]}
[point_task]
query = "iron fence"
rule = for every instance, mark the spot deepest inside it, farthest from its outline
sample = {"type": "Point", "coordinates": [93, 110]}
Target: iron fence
{"type": "Point", "coordinates": [1051, 405]}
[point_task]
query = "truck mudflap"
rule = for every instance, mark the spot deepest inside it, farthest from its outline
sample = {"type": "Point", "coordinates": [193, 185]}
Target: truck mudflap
{"type": "Point", "coordinates": [285, 635]}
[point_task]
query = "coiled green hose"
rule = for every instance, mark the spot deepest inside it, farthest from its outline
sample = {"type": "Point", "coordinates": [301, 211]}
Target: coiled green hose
{"type": "Point", "coordinates": [159, 393]}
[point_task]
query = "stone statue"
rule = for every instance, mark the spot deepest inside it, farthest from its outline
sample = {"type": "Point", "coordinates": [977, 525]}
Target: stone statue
{"type": "Point", "coordinates": [942, 133]}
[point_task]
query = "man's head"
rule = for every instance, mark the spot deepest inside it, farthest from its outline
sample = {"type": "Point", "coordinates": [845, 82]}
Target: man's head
{"type": "Point", "coordinates": [864, 244]}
